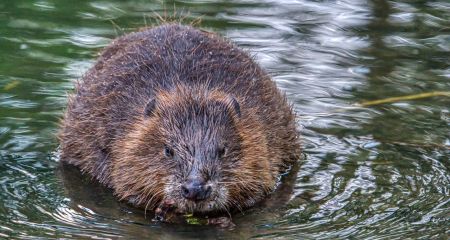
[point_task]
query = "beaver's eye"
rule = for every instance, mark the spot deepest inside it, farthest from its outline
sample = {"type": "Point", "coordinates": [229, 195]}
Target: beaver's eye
{"type": "Point", "coordinates": [168, 151]}
{"type": "Point", "coordinates": [221, 151]}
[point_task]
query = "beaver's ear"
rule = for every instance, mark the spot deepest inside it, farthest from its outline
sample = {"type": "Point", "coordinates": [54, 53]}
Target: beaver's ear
{"type": "Point", "coordinates": [236, 107]}
{"type": "Point", "coordinates": [149, 107]}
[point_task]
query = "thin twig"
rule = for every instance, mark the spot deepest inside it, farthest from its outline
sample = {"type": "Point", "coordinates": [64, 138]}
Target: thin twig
{"type": "Point", "coordinates": [402, 98]}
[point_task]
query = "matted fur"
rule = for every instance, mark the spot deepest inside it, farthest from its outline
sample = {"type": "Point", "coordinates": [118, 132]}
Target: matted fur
{"type": "Point", "coordinates": [207, 94]}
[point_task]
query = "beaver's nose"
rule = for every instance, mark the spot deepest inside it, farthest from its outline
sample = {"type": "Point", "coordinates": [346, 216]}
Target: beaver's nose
{"type": "Point", "coordinates": [195, 190]}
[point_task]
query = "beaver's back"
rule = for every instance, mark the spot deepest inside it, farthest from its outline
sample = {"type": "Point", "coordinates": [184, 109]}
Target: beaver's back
{"type": "Point", "coordinates": [112, 95]}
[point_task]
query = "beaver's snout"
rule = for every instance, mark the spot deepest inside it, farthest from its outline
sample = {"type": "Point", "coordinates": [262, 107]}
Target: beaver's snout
{"type": "Point", "coordinates": [196, 189]}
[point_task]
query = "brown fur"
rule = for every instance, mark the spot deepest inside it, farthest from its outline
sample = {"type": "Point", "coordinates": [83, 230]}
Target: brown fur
{"type": "Point", "coordinates": [207, 93]}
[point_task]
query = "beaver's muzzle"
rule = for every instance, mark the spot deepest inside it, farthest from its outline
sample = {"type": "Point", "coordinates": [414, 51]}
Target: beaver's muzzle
{"type": "Point", "coordinates": [195, 189]}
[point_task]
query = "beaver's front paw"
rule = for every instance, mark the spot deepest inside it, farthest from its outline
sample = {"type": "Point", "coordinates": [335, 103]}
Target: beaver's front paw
{"type": "Point", "coordinates": [163, 210]}
{"type": "Point", "coordinates": [222, 222]}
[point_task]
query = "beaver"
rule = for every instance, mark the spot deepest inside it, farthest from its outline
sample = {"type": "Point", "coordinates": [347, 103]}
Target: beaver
{"type": "Point", "coordinates": [177, 116]}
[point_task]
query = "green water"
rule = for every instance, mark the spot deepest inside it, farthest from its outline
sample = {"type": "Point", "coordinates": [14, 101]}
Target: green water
{"type": "Point", "coordinates": [380, 171]}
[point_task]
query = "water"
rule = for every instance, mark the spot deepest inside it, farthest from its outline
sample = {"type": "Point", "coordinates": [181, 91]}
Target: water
{"type": "Point", "coordinates": [379, 171]}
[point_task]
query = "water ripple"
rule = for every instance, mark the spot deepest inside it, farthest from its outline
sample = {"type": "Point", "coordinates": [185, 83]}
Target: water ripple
{"type": "Point", "coordinates": [369, 173]}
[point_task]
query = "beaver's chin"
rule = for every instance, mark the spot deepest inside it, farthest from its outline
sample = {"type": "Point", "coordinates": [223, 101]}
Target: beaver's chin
{"type": "Point", "coordinates": [217, 202]}
{"type": "Point", "coordinates": [206, 206]}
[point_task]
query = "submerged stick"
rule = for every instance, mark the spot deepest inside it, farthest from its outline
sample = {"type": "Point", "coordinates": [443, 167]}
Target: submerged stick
{"type": "Point", "coordinates": [378, 102]}
{"type": "Point", "coordinates": [398, 99]}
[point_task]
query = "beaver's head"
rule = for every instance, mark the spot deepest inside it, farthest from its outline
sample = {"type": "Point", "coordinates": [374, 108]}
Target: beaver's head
{"type": "Point", "coordinates": [196, 148]}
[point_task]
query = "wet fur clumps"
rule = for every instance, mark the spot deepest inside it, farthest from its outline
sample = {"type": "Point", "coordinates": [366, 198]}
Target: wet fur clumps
{"type": "Point", "coordinates": [172, 103]}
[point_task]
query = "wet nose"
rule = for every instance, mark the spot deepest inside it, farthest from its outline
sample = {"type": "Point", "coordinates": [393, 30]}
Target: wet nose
{"type": "Point", "coordinates": [195, 190]}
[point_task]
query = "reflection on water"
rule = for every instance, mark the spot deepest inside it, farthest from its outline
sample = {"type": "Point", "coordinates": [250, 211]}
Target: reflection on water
{"type": "Point", "coordinates": [380, 171]}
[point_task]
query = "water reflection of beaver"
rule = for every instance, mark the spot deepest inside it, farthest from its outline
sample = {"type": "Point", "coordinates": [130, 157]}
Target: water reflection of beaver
{"type": "Point", "coordinates": [176, 116]}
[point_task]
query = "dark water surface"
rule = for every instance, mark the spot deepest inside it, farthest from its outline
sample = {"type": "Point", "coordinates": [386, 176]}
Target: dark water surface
{"type": "Point", "coordinates": [379, 171]}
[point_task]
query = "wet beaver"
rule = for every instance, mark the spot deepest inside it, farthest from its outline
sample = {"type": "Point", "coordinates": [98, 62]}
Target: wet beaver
{"type": "Point", "coordinates": [179, 116]}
